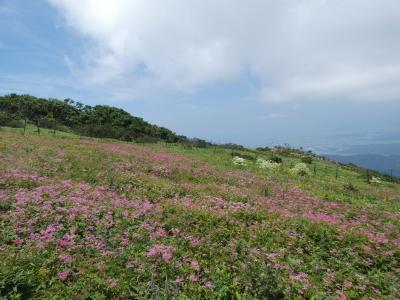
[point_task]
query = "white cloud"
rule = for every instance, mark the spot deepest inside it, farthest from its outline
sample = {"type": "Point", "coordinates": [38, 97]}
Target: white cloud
{"type": "Point", "coordinates": [296, 49]}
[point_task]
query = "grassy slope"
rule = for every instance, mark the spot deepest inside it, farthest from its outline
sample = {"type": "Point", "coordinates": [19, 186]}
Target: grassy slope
{"type": "Point", "coordinates": [87, 217]}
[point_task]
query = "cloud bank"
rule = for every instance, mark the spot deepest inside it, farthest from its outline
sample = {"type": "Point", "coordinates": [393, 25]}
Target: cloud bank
{"type": "Point", "coordinates": [295, 49]}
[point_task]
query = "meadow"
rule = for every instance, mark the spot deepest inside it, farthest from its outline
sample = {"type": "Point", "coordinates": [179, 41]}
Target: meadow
{"type": "Point", "coordinates": [93, 218]}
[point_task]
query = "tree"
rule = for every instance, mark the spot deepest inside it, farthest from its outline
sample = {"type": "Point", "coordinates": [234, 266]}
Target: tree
{"type": "Point", "coordinates": [97, 121]}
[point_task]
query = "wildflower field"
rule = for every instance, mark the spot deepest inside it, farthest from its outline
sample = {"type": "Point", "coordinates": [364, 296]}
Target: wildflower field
{"type": "Point", "coordinates": [100, 219]}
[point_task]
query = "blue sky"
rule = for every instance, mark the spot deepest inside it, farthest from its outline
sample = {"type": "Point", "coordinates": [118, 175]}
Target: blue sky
{"type": "Point", "coordinates": [268, 72]}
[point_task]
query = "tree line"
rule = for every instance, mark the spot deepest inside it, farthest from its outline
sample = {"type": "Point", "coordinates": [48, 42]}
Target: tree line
{"type": "Point", "coordinates": [67, 115]}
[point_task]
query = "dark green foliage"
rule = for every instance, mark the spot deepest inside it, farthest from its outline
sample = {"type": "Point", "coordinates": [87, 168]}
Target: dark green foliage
{"type": "Point", "coordinates": [5, 205]}
{"type": "Point", "coordinates": [350, 187]}
{"type": "Point", "coordinates": [276, 159]}
{"type": "Point", "coordinates": [245, 156]}
{"type": "Point", "coordinates": [265, 149]}
{"type": "Point", "coordinates": [98, 121]}
{"type": "Point", "coordinates": [307, 160]}
{"type": "Point", "coordinates": [199, 143]}
{"type": "Point", "coordinates": [233, 146]}
{"type": "Point", "coordinates": [5, 118]}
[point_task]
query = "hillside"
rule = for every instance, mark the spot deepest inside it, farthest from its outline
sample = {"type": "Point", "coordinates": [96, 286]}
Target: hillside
{"type": "Point", "coordinates": [92, 218]}
{"type": "Point", "coordinates": [98, 121]}
{"type": "Point", "coordinates": [67, 116]}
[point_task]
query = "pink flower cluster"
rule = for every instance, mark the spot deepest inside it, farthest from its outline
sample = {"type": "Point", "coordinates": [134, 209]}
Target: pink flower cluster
{"type": "Point", "coordinates": [294, 203]}
{"type": "Point", "coordinates": [165, 252]}
{"type": "Point", "coordinates": [72, 216]}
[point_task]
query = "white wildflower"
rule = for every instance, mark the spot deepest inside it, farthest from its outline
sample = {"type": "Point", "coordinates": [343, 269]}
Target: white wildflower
{"type": "Point", "coordinates": [300, 169]}
{"type": "Point", "coordinates": [239, 161]}
{"type": "Point", "coordinates": [376, 180]}
{"type": "Point", "coordinates": [267, 164]}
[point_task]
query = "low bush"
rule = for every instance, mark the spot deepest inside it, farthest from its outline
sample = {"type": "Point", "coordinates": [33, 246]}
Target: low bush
{"type": "Point", "coordinates": [300, 169]}
{"type": "Point", "coordinates": [239, 161]}
{"type": "Point", "coordinates": [276, 159]}
{"type": "Point", "coordinates": [267, 164]}
{"type": "Point", "coordinates": [307, 160]}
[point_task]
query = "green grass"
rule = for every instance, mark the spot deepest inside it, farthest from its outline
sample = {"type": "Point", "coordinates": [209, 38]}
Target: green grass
{"type": "Point", "coordinates": [32, 130]}
{"type": "Point", "coordinates": [99, 219]}
{"type": "Point", "coordinates": [323, 183]}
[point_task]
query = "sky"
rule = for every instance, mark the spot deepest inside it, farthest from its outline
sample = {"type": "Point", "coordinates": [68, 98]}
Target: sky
{"type": "Point", "coordinates": [256, 72]}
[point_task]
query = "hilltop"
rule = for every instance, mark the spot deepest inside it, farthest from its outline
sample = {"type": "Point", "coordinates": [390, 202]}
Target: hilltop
{"type": "Point", "coordinates": [88, 217]}
{"type": "Point", "coordinates": [69, 116]}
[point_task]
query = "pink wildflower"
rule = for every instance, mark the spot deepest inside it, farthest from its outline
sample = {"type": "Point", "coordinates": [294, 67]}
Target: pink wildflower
{"type": "Point", "coordinates": [160, 250]}
{"type": "Point", "coordinates": [347, 284]}
{"type": "Point", "coordinates": [63, 275]}
{"type": "Point", "coordinates": [193, 240]}
{"type": "Point", "coordinates": [67, 241]}
{"type": "Point", "coordinates": [66, 258]}
{"type": "Point", "coordinates": [125, 241]}
{"type": "Point", "coordinates": [18, 242]}
{"type": "Point", "coordinates": [195, 265]}
{"type": "Point", "coordinates": [342, 296]}
{"type": "Point", "coordinates": [112, 282]}
{"type": "Point", "coordinates": [179, 280]}
{"type": "Point", "coordinates": [193, 277]}
{"type": "Point", "coordinates": [160, 232]}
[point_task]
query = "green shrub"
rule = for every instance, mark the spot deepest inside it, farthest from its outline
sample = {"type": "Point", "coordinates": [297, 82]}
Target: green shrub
{"type": "Point", "coordinates": [5, 119]}
{"type": "Point", "coordinates": [307, 160]}
{"type": "Point", "coordinates": [244, 156]}
{"type": "Point", "coordinates": [5, 205]}
{"type": "Point", "coordinates": [350, 187]}
{"type": "Point", "coordinates": [275, 158]}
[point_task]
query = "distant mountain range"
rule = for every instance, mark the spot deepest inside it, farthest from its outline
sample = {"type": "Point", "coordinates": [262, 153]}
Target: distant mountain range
{"type": "Point", "coordinates": [383, 163]}
{"type": "Point", "coordinates": [371, 150]}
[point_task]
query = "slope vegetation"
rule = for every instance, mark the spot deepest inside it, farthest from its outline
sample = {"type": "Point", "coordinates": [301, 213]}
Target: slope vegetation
{"type": "Point", "coordinates": [88, 218]}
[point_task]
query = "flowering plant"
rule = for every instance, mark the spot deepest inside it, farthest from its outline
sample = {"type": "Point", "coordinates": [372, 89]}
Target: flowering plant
{"type": "Point", "coordinates": [267, 164]}
{"type": "Point", "coordinates": [239, 161]}
{"type": "Point", "coordinates": [300, 169]}
{"type": "Point", "coordinates": [376, 180]}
